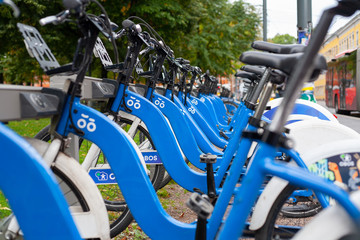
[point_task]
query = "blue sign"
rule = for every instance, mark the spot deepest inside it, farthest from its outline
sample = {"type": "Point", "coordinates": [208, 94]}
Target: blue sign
{"type": "Point", "coordinates": [151, 157]}
{"type": "Point", "coordinates": [103, 175]}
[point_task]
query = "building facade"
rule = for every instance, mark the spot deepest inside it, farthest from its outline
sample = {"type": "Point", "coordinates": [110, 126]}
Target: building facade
{"type": "Point", "coordinates": [345, 39]}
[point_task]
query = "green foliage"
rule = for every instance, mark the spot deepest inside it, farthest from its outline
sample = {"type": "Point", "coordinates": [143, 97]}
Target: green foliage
{"type": "Point", "coordinates": [283, 39]}
{"type": "Point", "coordinates": [223, 33]}
{"type": "Point", "coordinates": [4, 206]}
{"type": "Point", "coordinates": [210, 33]}
{"type": "Point", "coordinates": [16, 66]}
{"type": "Point", "coordinates": [29, 128]}
{"type": "Point", "coordinates": [163, 193]}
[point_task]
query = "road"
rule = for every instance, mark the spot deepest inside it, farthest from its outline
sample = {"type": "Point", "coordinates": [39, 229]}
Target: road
{"type": "Point", "coordinates": [351, 121]}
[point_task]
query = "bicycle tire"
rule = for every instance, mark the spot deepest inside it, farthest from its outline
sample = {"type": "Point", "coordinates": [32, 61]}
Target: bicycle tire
{"type": "Point", "coordinates": [228, 109]}
{"type": "Point", "coordinates": [76, 196]}
{"type": "Point", "coordinates": [157, 172]}
{"type": "Point", "coordinates": [119, 214]}
{"type": "Point", "coordinates": [302, 210]}
{"type": "Point", "coordinates": [123, 220]}
{"type": "Point", "coordinates": [266, 232]}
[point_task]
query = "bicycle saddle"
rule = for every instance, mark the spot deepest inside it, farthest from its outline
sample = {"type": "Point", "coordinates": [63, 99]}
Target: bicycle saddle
{"type": "Point", "coordinates": [283, 62]}
{"type": "Point", "coordinates": [247, 75]}
{"type": "Point", "coordinates": [278, 77]}
{"type": "Point", "coordinates": [278, 48]}
{"type": "Point", "coordinates": [253, 69]}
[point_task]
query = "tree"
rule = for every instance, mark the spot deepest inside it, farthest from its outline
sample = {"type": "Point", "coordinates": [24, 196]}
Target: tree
{"type": "Point", "coordinates": [15, 64]}
{"type": "Point", "coordinates": [283, 39]}
{"type": "Point", "coordinates": [224, 31]}
{"type": "Point", "coordinates": [210, 33]}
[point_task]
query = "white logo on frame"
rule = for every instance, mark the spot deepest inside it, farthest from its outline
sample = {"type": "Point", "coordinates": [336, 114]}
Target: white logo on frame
{"type": "Point", "coordinates": [86, 122]}
{"type": "Point", "coordinates": [192, 110]}
{"type": "Point", "coordinates": [133, 102]}
{"type": "Point", "coordinates": [160, 103]}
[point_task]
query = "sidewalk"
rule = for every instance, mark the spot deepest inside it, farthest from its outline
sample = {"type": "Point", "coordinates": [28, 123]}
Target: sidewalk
{"type": "Point", "coordinates": [323, 104]}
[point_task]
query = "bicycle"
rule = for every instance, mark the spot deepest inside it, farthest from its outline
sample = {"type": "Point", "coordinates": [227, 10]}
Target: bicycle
{"type": "Point", "coordinates": [42, 191]}
{"type": "Point", "coordinates": [150, 202]}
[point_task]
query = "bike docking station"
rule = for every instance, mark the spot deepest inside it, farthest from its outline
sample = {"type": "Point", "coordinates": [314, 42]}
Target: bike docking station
{"type": "Point", "coordinates": [92, 90]}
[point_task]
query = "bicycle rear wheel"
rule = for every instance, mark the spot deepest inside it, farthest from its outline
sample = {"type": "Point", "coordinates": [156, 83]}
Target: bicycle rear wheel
{"type": "Point", "coordinates": [118, 212]}
{"type": "Point", "coordinates": [277, 226]}
{"type": "Point", "coordinates": [79, 192]}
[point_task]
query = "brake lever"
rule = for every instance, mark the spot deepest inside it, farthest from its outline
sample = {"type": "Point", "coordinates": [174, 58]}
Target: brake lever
{"type": "Point", "coordinates": [119, 34]}
{"type": "Point", "coordinates": [13, 6]}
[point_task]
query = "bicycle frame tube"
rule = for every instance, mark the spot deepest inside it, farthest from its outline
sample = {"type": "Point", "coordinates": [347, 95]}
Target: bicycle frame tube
{"type": "Point", "coordinates": [204, 110]}
{"type": "Point", "coordinates": [208, 101]}
{"type": "Point", "coordinates": [263, 164]}
{"type": "Point", "coordinates": [202, 140]}
{"type": "Point", "coordinates": [235, 144]}
{"type": "Point", "coordinates": [297, 159]}
{"type": "Point", "coordinates": [160, 132]}
{"type": "Point", "coordinates": [181, 129]}
{"type": "Point", "coordinates": [218, 108]}
{"type": "Point", "coordinates": [32, 191]}
{"type": "Point", "coordinates": [212, 135]}
{"type": "Point", "coordinates": [177, 119]}
{"type": "Point", "coordinates": [228, 189]}
{"type": "Point", "coordinates": [128, 170]}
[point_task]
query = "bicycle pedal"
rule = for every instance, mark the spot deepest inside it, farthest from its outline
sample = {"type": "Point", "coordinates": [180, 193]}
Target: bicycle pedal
{"type": "Point", "coordinates": [200, 204]}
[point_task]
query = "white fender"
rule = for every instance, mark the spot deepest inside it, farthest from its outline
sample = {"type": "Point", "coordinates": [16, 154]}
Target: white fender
{"type": "Point", "coordinates": [95, 222]}
{"type": "Point", "coordinates": [276, 102]}
{"type": "Point", "coordinates": [331, 224]}
{"type": "Point", "coordinates": [314, 140]}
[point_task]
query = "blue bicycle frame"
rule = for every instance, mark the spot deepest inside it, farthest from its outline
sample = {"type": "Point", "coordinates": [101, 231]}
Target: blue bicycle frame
{"type": "Point", "coordinates": [263, 164]}
{"type": "Point", "coordinates": [135, 184]}
{"type": "Point", "coordinates": [213, 135]}
{"type": "Point", "coordinates": [32, 191]}
{"type": "Point", "coordinates": [201, 139]}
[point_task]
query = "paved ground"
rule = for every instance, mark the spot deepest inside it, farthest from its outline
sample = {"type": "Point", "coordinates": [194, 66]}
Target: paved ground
{"type": "Point", "coordinates": [352, 120]}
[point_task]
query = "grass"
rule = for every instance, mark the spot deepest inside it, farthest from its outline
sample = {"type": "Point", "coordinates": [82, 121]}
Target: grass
{"type": "Point", "coordinates": [29, 128]}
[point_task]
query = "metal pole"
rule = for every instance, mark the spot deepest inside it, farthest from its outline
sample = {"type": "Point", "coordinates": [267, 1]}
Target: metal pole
{"type": "Point", "coordinates": [265, 20]}
{"type": "Point", "coordinates": [304, 17]}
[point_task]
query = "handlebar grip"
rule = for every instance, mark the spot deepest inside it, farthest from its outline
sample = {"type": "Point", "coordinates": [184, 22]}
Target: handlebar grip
{"type": "Point", "coordinates": [46, 20]}
{"type": "Point", "coordinates": [127, 23]}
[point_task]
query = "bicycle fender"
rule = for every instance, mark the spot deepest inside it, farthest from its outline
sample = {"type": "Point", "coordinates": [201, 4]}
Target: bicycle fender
{"type": "Point", "coordinates": [332, 223]}
{"type": "Point", "coordinates": [302, 107]}
{"type": "Point", "coordinates": [91, 224]}
{"type": "Point", "coordinates": [327, 139]}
